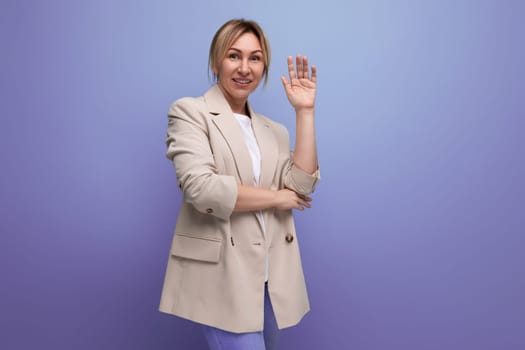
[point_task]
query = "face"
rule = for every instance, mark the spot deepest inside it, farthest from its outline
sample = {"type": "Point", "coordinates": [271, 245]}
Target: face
{"type": "Point", "coordinates": [241, 71]}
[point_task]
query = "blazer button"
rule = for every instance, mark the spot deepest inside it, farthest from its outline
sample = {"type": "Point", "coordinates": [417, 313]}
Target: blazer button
{"type": "Point", "coordinates": [209, 210]}
{"type": "Point", "coordinates": [289, 238]}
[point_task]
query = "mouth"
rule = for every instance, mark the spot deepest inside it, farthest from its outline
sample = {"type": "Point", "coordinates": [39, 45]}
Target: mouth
{"type": "Point", "coordinates": [242, 82]}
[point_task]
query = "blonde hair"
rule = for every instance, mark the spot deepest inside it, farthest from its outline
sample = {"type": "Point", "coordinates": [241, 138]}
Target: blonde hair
{"type": "Point", "coordinates": [227, 34]}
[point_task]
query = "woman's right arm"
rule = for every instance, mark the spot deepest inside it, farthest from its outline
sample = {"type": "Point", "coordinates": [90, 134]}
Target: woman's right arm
{"type": "Point", "coordinates": [189, 149]}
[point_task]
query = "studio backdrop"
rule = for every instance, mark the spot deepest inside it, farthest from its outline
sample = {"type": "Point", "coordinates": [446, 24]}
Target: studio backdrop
{"type": "Point", "coordinates": [416, 236]}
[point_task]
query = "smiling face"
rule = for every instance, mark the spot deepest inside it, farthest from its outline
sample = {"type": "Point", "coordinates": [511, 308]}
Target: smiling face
{"type": "Point", "coordinates": [240, 71]}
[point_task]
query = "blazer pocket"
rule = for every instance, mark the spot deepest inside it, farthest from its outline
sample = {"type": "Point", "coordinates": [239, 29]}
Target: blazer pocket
{"type": "Point", "coordinates": [196, 248]}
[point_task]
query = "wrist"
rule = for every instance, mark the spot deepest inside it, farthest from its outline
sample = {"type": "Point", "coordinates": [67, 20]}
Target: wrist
{"type": "Point", "coordinates": [304, 115]}
{"type": "Point", "coordinates": [305, 110]}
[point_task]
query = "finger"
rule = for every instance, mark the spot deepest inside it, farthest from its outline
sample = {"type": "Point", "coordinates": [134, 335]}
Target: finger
{"type": "Point", "coordinates": [299, 64]}
{"type": "Point", "coordinates": [314, 74]}
{"type": "Point", "coordinates": [305, 67]}
{"type": "Point", "coordinates": [297, 206]}
{"type": "Point", "coordinates": [305, 197]}
{"type": "Point", "coordinates": [286, 83]}
{"type": "Point", "coordinates": [291, 70]}
{"type": "Point", "coordinates": [303, 203]}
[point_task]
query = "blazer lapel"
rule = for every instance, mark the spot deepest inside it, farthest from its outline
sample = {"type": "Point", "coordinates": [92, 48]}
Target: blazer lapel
{"type": "Point", "coordinates": [223, 118]}
{"type": "Point", "coordinates": [268, 147]}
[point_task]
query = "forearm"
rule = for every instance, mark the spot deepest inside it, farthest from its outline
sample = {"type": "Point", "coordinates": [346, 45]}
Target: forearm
{"type": "Point", "coordinates": [305, 151]}
{"type": "Point", "coordinates": [250, 198]}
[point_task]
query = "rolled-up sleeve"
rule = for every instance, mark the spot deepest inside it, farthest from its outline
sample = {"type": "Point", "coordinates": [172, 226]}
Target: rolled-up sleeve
{"type": "Point", "coordinates": [189, 150]}
{"type": "Point", "coordinates": [300, 181]}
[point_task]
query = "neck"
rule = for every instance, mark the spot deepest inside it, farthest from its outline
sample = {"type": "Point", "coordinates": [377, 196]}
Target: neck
{"type": "Point", "coordinates": [237, 106]}
{"type": "Point", "coordinates": [240, 108]}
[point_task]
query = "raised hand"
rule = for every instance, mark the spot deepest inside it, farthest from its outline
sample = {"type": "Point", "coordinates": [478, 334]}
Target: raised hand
{"type": "Point", "coordinates": [301, 88]}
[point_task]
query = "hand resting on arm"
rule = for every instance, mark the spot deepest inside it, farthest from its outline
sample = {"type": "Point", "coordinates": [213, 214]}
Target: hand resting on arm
{"type": "Point", "coordinates": [251, 198]}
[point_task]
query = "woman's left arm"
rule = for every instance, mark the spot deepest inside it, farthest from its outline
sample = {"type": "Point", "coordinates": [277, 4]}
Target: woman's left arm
{"type": "Point", "coordinates": [301, 90]}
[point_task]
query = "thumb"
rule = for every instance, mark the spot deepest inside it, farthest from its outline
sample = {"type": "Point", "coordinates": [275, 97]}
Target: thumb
{"type": "Point", "coordinates": [286, 85]}
{"type": "Point", "coordinates": [284, 81]}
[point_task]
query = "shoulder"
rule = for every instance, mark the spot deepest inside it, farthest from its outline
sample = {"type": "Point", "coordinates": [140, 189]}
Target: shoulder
{"type": "Point", "coordinates": [277, 128]}
{"type": "Point", "coordinates": [192, 110]}
{"type": "Point", "coordinates": [187, 105]}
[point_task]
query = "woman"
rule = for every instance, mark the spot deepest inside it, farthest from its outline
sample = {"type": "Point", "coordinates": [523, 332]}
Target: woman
{"type": "Point", "coordinates": [234, 263]}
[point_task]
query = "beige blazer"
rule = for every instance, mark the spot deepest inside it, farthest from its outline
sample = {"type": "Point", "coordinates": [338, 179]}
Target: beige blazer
{"type": "Point", "coordinates": [216, 266]}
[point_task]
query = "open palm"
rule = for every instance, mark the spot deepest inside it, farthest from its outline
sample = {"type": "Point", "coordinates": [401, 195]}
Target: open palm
{"type": "Point", "coordinates": [301, 88]}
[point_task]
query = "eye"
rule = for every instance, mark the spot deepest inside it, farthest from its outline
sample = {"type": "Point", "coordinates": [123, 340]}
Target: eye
{"type": "Point", "coordinates": [233, 56]}
{"type": "Point", "coordinates": [256, 58]}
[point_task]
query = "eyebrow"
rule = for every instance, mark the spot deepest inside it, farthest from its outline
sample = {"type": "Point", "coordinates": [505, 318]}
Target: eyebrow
{"type": "Point", "coordinates": [235, 49]}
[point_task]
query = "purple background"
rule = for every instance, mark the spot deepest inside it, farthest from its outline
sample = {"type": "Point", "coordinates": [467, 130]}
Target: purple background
{"type": "Point", "coordinates": [416, 239]}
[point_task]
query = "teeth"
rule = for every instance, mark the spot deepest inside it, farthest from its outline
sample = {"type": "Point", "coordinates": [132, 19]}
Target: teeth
{"type": "Point", "coordinates": [242, 81]}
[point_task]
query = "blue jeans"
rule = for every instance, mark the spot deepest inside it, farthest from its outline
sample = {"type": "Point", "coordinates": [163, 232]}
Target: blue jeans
{"type": "Point", "coordinates": [266, 340]}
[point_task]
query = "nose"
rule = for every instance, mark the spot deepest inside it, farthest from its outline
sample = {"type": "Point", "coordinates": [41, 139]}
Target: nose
{"type": "Point", "coordinates": [244, 67]}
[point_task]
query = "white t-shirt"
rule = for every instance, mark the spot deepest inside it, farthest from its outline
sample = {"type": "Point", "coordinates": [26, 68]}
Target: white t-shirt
{"type": "Point", "coordinates": [253, 148]}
